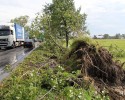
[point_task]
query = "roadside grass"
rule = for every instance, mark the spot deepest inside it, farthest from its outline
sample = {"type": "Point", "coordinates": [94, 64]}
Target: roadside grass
{"type": "Point", "coordinates": [41, 78]}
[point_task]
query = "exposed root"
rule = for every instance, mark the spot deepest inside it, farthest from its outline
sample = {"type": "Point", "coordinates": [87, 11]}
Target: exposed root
{"type": "Point", "coordinates": [98, 64]}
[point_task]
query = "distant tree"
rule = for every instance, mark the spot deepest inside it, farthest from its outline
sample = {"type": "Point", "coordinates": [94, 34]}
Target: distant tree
{"type": "Point", "coordinates": [111, 37]}
{"type": "Point", "coordinates": [117, 36]}
{"type": "Point", "coordinates": [64, 18]}
{"type": "Point", "coordinates": [40, 25]}
{"type": "Point", "coordinates": [106, 36]}
{"type": "Point", "coordinates": [123, 35]}
{"type": "Point", "coordinates": [22, 20]}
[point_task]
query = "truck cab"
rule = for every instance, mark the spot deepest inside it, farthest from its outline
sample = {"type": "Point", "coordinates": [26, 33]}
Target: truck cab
{"type": "Point", "coordinates": [6, 36]}
{"type": "Point", "coordinates": [11, 35]}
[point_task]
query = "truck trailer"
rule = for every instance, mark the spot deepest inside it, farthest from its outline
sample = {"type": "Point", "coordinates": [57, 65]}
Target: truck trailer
{"type": "Point", "coordinates": [12, 35]}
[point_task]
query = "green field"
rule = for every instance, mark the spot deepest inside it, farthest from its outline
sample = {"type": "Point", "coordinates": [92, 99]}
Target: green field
{"type": "Point", "coordinates": [107, 42]}
{"type": "Point", "coordinates": [118, 44]}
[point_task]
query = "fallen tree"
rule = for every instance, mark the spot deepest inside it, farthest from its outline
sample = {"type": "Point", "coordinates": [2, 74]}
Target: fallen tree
{"type": "Point", "coordinates": [96, 63]}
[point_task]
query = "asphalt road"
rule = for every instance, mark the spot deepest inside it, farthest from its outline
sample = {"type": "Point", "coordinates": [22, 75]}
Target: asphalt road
{"type": "Point", "coordinates": [10, 57]}
{"type": "Point", "coordinates": [13, 57]}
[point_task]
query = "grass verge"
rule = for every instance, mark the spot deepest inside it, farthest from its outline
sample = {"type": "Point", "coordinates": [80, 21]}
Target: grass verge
{"type": "Point", "coordinates": [41, 77]}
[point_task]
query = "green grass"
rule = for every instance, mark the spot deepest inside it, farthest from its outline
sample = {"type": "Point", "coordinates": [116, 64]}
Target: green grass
{"type": "Point", "coordinates": [35, 79]}
{"type": "Point", "coordinates": [107, 42]}
{"type": "Point", "coordinates": [117, 43]}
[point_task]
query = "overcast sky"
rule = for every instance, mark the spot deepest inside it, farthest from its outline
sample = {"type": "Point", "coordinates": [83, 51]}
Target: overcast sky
{"type": "Point", "coordinates": [103, 16]}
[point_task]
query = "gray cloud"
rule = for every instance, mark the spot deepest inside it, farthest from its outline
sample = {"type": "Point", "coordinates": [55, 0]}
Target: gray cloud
{"type": "Point", "coordinates": [9, 3]}
{"type": "Point", "coordinates": [104, 16]}
{"type": "Point", "coordinates": [10, 9]}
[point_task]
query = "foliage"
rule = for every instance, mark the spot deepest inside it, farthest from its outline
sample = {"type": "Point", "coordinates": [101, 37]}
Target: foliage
{"type": "Point", "coordinates": [22, 20]}
{"type": "Point", "coordinates": [116, 51]}
{"type": "Point", "coordinates": [115, 46]}
{"type": "Point", "coordinates": [117, 36]}
{"type": "Point", "coordinates": [106, 36]}
{"type": "Point", "coordinates": [60, 20]}
{"type": "Point", "coordinates": [65, 19]}
{"type": "Point", "coordinates": [40, 78]}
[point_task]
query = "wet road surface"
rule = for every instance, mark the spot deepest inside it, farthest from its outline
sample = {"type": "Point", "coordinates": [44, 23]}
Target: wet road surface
{"type": "Point", "coordinates": [10, 57]}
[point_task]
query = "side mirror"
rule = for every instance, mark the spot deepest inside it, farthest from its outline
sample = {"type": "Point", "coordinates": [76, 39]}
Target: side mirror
{"type": "Point", "coordinates": [11, 32]}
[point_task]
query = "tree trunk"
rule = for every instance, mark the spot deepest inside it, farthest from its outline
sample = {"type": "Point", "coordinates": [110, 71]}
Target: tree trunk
{"type": "Point", "coordinates": [66, 31]}
{"type": "Point", "coordinates": [67, 39]}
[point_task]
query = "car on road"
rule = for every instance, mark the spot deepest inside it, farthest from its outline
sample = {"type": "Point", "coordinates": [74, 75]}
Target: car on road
{"type": "Point", "coordinates": [29, 43]}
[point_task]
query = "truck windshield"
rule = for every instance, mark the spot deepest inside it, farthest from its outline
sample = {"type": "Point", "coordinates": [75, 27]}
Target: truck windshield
{"type": "Point", "coordinates": [5, 32]}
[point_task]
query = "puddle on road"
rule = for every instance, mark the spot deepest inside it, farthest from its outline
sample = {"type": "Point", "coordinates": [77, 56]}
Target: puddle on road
{"type": "Point", "coordinates": [11, 59]}
{"type": "Point", "coordinates": [18, 56]}
{"type": "Point", "coordinates": [14, 57]}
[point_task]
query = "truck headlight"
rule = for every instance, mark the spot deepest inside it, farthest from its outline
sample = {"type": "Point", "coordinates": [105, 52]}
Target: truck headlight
{"type": "Point", "coordinates": [6, 39]}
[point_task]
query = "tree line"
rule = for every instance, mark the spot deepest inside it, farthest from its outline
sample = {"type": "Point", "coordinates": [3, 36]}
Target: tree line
{"type": "Point", "coordinates": [107, 36]}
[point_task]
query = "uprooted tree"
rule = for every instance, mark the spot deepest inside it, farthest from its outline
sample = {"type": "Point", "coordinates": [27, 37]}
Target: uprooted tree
{"type": "Point", "coordinates": [96, 62]}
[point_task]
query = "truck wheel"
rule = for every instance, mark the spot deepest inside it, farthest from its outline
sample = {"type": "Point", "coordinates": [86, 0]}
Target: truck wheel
{"type": "Point", "coordinates": [13, 45]}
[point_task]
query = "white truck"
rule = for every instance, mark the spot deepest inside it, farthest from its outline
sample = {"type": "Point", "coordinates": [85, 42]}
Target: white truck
{"type": "Point", "coordinates": [12, 35]}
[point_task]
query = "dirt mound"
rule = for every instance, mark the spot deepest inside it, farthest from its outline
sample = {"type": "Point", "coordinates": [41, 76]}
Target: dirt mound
{"type": "Point", "coordinates": [97, 63]}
